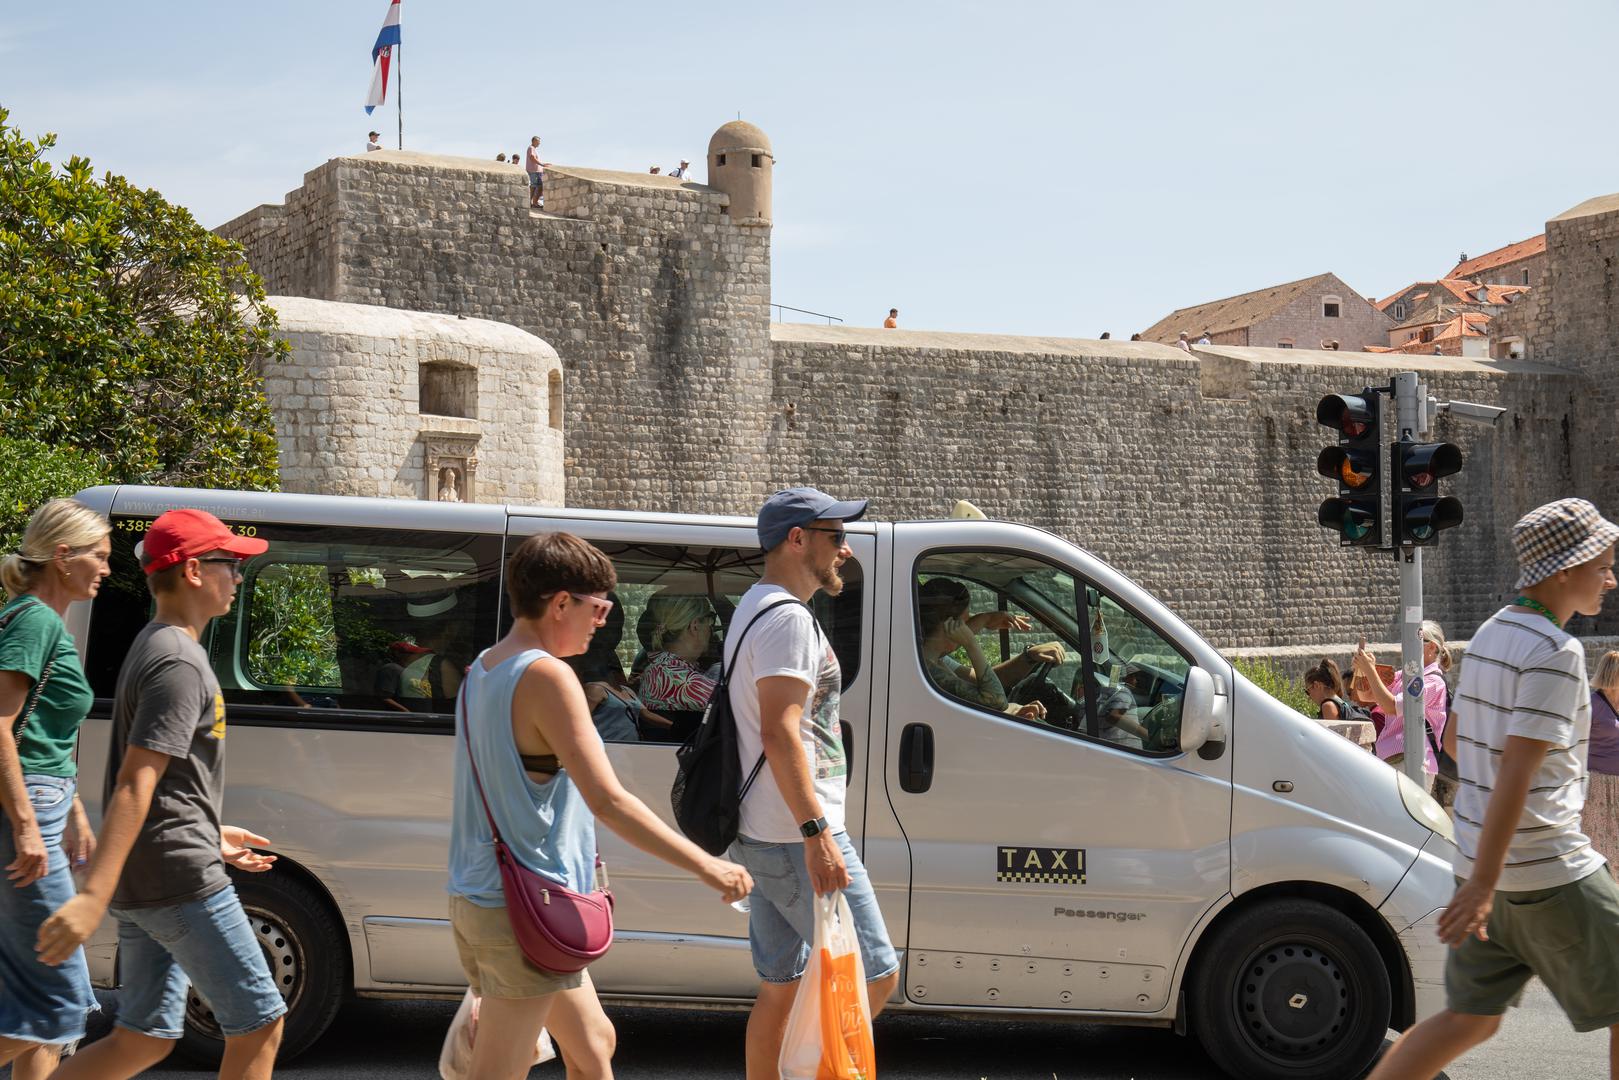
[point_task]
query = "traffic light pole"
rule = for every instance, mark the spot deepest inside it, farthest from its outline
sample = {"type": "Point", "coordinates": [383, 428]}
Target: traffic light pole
{"type": "Point", "coordinates": [1410, 407]}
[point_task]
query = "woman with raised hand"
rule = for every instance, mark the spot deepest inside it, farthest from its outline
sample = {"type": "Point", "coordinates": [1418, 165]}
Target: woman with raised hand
{"type": "Point", "coordinates": [44, 833]}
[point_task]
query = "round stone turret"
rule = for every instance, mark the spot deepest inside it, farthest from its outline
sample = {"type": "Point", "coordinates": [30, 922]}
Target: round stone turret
{"type": "Point", "coordinates": [739, 164]}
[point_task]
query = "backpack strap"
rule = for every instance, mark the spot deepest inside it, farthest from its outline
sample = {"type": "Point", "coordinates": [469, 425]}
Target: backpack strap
{"type": "Point", "coordinates": [724, 685]}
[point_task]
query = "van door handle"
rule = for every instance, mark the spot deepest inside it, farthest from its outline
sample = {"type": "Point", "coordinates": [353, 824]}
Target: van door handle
{"type": "Point", "coordinates": [916, 758]}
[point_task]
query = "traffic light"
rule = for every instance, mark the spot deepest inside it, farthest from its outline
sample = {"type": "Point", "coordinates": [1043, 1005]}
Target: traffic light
{"type": "Point", "coordinates": [1419, 513]}
{"type": "Point", "coordinates": [1356, 514]}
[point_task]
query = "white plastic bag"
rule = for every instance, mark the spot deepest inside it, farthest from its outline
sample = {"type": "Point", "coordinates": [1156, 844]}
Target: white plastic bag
{"type": "Point", "coordinates": [455, 1060]}
{"type": "Point", "coordinates": [829, 1030]}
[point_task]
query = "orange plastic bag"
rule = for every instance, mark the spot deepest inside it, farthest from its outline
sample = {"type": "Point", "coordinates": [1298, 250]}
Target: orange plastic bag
{"type": "Point", "coordinates": [829, 1030]}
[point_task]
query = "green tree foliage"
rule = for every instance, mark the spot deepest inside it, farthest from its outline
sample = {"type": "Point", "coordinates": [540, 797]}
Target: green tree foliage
{"type": "Point", "coordinates": [1284, 688]}
{"type": "Point", "coordinates": [127, 330]}
{"type": "Point", "coordinates": [32, 473]}
{"type": "Point", "coordinates": [291, 638]}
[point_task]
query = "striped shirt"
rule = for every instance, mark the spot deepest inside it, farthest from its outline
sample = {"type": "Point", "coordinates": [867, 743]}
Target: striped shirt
{"type": "Point", "coordinates": [1525, 676]}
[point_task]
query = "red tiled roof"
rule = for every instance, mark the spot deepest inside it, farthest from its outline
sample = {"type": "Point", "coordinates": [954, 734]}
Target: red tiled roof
{"type": "Point", "coordinates": [1238, 312]}
{"type": "Point", "coordinates": [1523, 249]}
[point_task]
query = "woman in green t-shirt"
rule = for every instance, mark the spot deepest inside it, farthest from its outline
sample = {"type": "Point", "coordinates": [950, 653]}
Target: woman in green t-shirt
{"type": "Point", "coordinates": [44, 833]}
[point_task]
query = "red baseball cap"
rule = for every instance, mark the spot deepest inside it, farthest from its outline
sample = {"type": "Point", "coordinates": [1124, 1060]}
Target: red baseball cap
{"type": "Point", "coordinates": [178, 535]}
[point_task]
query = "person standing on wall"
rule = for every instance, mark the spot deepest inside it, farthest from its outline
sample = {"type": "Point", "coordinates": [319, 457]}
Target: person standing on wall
{"type": "Point", "coordinates": [892, 321]}
{"type": "Point", "coordinates": [1536, 899]}
{"type": "Point", "coordinates": [785, 682]}
{"type": "Point", "coordinates": [536, 173]}
{"type": "Point", "coordinates": [371, 142]}
{"type": "Point", "coordinates": [45, 835]}
{"type": "Point", "coordinates": [163, 852]}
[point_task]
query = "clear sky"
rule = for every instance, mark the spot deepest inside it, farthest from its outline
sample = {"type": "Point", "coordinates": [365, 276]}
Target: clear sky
{"type": "Point", "coordinates": [1054, 168]}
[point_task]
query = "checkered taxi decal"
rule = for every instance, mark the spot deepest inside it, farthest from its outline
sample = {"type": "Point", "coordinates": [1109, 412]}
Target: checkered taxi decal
{"type": "Point", "coordinates": [1040, 865]}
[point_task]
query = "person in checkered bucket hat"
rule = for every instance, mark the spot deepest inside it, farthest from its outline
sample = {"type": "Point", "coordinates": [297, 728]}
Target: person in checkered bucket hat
{"type": "Point", "coordinates": [1559, 536]}
{"type": "Point", "coordinates": [1536, 898]}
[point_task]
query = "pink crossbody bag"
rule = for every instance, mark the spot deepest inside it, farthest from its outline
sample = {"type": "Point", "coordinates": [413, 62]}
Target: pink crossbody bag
{"type": "Point", "coordinates": [558, 929]}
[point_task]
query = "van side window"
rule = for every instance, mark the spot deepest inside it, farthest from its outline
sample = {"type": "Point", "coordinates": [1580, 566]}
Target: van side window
{"type": "Point", "coordinates": [652, 668]}
{"type": "Point", "coordinates": [1005, 633]}
{"type": "Point", "coordinates": [331, 617]}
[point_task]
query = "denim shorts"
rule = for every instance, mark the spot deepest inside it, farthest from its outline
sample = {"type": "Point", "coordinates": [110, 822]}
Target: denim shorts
{"type": "Point", "coordinates": [163, 950]}
{"type": "Point", "coordinates": [536, 181]}
{"type": "Point", "coordinates": [39, 1003]}
{"type": "Point", "coordinates": [781, 911]}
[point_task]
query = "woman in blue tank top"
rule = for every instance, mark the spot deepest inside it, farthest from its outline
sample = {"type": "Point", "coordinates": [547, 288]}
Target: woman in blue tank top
{"type": "Point", "coordinates": [547, 779]}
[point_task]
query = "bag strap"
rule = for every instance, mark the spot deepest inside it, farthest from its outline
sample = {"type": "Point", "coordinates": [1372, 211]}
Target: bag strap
{"type": "Point", "coordinates": [34, 694]}
{"type": "Point", "coordinates": [724, 686]}
{"type": "Point", "coordinates": [466, 735]}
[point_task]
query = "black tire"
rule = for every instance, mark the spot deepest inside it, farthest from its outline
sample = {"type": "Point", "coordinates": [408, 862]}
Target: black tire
{"type": "Point", "coordinates": [303, 941]}
{"type": "Point", "coordinates": [1291, 989]}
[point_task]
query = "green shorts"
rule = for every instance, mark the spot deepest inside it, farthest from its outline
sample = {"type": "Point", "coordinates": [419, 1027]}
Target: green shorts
{"type": "Point", "coordinates": [1569, 936]}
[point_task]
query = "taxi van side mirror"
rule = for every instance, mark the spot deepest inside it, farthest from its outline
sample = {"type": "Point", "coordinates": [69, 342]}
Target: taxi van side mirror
{"type": "Point", "coordinates": [1202, 715]}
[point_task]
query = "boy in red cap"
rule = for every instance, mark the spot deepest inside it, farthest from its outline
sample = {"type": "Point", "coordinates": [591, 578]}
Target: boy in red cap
{"type": "Point", "coordinates": [161, 860]}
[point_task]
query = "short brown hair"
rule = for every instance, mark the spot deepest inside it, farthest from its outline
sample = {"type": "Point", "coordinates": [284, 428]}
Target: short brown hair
{"type": "Point", "coordinates": [549, 563]}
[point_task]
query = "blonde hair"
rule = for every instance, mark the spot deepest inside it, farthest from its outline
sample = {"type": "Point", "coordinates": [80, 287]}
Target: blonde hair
{"type": "Point", "coordinates": [671, 613]}
{"type": "Point", "coordinates": [1431, 631]}
{"type": "Point", "coordinates": [60, 521]}
{"type": "Point", "coordinates": [1606, 676]}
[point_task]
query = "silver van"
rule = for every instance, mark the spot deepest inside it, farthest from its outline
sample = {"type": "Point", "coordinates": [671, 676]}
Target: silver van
{"type": "Point", "coordinates": [1158, 843]}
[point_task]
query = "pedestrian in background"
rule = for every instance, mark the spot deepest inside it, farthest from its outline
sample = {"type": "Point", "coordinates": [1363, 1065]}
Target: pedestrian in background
{"type": "Point", "coordinates": [545, 779]}
{"type": "Point", "coordinates": [785, 681]}
{"type": "Point", "coordinates": [536, 173]}
{"type": "Point", "coordinates": [45, 835]}
{"type": "Point", "coordinates": [679, 171]}
{"type": "Point", "coordinates": [1183, 344]}
{"type": "Point", "coordinates": [371, 142]}
{"type": "Point", "coordinates": [1435, 700]}
{"type": "Point", "coordinates": [1536, 899]}
{"type": "Point", "coordinates": [1325, 685]}
{"type": "Point", "coordinates": [161, 862]}
{"type": "Point", "coordinates": [1601, 814]}
{"type": "Point", "coordinates": [893, 318]}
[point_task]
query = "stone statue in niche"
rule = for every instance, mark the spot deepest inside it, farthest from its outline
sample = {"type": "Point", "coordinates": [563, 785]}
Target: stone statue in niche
{"type": "Point", "coordinates": [449, 485]}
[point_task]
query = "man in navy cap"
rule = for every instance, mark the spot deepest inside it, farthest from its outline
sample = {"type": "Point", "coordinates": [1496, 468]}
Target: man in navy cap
{"type": "Point", "coordinates": [785, 682]}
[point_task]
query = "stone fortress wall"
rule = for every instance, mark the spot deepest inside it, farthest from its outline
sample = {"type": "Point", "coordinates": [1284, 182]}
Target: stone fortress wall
{"type": "Point", "coordinates": [1193, 473]}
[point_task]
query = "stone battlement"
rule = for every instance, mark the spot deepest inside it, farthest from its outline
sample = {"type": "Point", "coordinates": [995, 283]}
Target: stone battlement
{"type": "Point", "coordinates": [1192, 472]}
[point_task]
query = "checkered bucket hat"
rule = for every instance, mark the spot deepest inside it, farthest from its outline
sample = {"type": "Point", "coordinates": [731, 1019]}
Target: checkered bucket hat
{"type": "Point", "coordinates": [1558, 536]}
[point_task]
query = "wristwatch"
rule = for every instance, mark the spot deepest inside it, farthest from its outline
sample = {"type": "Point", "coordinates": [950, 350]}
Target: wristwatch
{"type": "Point", "coordinates": [814, 827]}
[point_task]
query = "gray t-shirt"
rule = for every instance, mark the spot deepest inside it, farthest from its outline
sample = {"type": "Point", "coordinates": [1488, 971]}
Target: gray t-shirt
{"type": "Point", "coordinates": [168, 700]}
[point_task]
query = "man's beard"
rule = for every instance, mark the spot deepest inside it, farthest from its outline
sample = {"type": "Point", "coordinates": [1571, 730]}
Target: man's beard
{"type": "Point", "coordinates": [829, 580]}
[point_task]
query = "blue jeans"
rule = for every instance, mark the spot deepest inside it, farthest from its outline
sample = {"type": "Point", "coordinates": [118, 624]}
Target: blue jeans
{"type": "Point", "coordinates": [781, 911]}
{"type": "Point", "coordinates": [39, 1003]}
{"type": "Point", "coordinates": [209, 942]}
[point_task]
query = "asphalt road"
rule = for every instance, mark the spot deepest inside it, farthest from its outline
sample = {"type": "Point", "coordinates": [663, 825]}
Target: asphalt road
{"type": "Point", "coordinates": [400, 1041]}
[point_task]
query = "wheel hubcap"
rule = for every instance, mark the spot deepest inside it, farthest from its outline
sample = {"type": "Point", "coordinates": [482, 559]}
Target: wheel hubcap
{"type": "Point", "coordinates": [281, 952]}
{"type": "Point", "coordinates": [1293, 1001]}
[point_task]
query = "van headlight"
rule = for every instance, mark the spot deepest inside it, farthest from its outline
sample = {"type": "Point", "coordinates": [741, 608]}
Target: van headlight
{"type": "Point", "coordinates": [1423, 808]}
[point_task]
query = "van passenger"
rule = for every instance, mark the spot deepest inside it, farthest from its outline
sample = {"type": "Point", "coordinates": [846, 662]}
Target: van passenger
{"type": "Point", "coordinates": [681, 628]}
{"type": "Point", "coordinates": [947, 626]}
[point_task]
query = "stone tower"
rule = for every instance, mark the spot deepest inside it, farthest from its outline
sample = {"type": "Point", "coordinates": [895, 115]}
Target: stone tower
{"type": "Point", "coordinates": [739, 164]}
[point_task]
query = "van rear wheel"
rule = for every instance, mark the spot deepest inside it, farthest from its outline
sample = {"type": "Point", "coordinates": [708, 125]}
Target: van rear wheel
{"type": "Point", "coordinates": [1290, 989]}
{"type": "Point", "coordinates": [307, 951]}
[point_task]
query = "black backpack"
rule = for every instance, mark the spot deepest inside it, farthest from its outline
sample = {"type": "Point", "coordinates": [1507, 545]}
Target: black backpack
{"type": "Point", "coordinates": [1352, 710]}
{"type": "Point", "coordinates": [708, 790]}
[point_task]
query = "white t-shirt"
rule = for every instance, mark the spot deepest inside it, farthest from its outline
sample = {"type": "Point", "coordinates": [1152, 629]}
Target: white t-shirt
{"type": "Point", "coordinates": [1524, 676]}
{"type": "Point", "coordinates": [786, 641]}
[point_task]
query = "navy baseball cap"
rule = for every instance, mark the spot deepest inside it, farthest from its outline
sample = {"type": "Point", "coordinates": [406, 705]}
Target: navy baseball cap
{"type": "Point", "coordinates": [791, 509]}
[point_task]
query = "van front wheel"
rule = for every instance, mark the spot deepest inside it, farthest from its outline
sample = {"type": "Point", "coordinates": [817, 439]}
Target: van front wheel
{"type": "Point", "coordinates": [1289, 989]}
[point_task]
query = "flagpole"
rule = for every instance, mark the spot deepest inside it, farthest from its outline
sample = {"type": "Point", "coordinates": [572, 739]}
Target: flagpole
{"type": "Point", "coordinates": [399, 91]}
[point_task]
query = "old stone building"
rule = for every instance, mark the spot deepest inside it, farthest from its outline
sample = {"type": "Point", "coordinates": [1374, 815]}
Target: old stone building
{"type": "Point", "coordinates": [1308, 314]}
{"type": "Point", "coordinates": [1194, 472]}
{"type": "Point", "coordinates": [1523, 263]}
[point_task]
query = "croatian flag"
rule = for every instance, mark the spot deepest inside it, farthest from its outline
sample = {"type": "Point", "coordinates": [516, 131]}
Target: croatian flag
{"type": "Point", "coordinates": [382, 54]}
